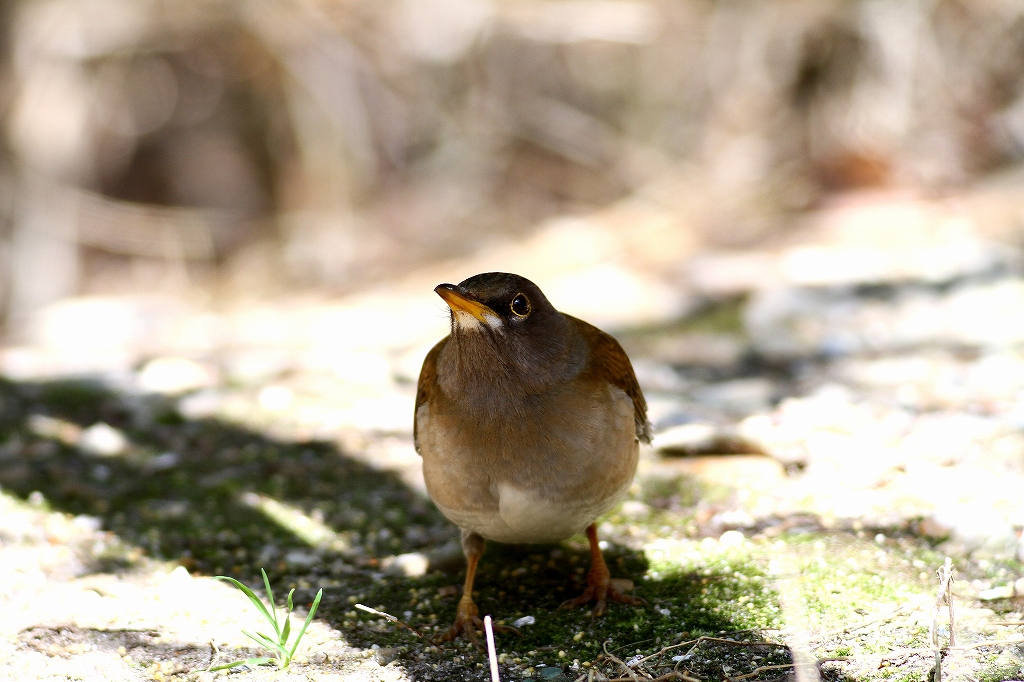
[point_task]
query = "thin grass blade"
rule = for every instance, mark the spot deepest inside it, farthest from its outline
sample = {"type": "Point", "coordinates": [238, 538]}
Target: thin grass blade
{"type": "Point", "coordinates": [250, 594]}
{"type": "Point", "coordinates": [309, 619]}
{"type": "Point", "coordinates": [270, 598]}
{"type": "Point", "coordinates": [266, 642]}
{"type": "Point", "coordinates": [249, 661]}
{"type": "Point", "coordinates": [286, 630]}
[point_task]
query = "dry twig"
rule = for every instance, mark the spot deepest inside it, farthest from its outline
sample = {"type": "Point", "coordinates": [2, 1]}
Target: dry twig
{"type": "Point", "coordinates": [615, 659]}
{"type": "Point", "coordinates": [945, 594]}
{"type": "Point", "coordinates": [392, 619]}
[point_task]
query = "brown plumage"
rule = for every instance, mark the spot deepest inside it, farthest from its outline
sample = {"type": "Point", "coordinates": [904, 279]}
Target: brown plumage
{"type": "Point", "coordinates": [528, 421]}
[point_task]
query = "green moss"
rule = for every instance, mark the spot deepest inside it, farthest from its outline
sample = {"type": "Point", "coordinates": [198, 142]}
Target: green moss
{"type": "Point", "coordinates": [1000, 673]}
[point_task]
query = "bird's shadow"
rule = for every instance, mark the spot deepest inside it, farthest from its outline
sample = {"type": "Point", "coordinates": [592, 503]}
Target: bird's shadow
{"type": "Point", "coordinates": [222, 499]}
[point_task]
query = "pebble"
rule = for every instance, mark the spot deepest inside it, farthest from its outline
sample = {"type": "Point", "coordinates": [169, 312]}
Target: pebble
{"type": "Point", "coordinates": [635, 510]}
{"type": "Point", "coordinates": [688, 438]}
{"type": "Point", "coordinates": [739, 396]}
{"type": "Point", "coordinates": [410, 565]}
{"type": "Point", "coordinates": [301, 559]}
{"type": "Point", "coordinates": [1008, 591]}
{"type": "Point", "coordinates": [731, 538]}
{"type": "Point", "coordinates": [102, 440]}
{"type": "Point", "coordinates": [385, 655]}
{"type": "Point", "coordinates": [171, 375]}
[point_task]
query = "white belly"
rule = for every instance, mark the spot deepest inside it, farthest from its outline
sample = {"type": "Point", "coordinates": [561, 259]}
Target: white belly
{"type": "Point", "coordinates": [523, 516]}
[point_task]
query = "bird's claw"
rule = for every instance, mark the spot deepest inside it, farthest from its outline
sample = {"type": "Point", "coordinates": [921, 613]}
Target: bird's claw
{"type": "Point", "coordinates": [469, 623]}
{"type": "Point", "coordinates": [601, 588]}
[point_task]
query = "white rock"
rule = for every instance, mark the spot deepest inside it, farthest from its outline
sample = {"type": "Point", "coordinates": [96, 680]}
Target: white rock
{"type": "Point", "coordinates": [634, 509]}
{"type": "Point", "coordinates": [103, 440]}
{"type": "Point", "coordinates": [993, 593]}
{"type": "Point", "coordinates": [175, 375]}
{"type": "Point", "coordinates": [275, 398]}
{"type": "Point", "coordinates": [731, 538]}
{"type": "Point", "coordinates": [689, 437]}
{"type": "Point", "coordinates": [202, 404]}
{"type": "Point", "coordinates": [742, 396]}
{"type": "Point", "coordinates": [179, 575]}
{"type": "Point", "coordinates": [298, 557]}
{"type": "Point", "coordinates": [410, 565]}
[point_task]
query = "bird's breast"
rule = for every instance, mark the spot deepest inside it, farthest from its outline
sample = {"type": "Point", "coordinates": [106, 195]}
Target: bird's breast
{"type": "Point", "coordinates": [538, 473]}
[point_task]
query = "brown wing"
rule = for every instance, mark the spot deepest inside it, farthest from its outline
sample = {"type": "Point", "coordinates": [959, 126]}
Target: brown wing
{"type": "Point", "coordinates": [427, 383]}
{"type": "Point", "coordinates": [610, 362]}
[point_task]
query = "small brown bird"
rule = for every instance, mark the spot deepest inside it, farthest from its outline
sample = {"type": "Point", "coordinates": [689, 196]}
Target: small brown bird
{"type": "Point", "coordinates": [528, 422]}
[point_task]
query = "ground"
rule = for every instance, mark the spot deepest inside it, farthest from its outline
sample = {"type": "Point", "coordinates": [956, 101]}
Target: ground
{"type": "Point", "coordinates": [821, 446]}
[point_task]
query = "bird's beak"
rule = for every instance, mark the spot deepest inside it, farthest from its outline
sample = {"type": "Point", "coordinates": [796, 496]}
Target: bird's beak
{"type": "Point", "coordinates": [459, 302]}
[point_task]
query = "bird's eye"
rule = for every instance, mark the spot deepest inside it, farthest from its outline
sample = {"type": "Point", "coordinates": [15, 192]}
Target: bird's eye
{"type": "Point", "coordinates": [521, 305]}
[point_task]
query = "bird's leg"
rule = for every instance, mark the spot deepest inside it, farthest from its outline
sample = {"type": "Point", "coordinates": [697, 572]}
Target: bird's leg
{"type": "Point", "coordinates": [600, 586]}
{"type": "Point", "coordinates": [467, 616]}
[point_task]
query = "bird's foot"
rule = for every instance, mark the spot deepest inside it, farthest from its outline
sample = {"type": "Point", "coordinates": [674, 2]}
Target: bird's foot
{"type": "Point", "coordinates": [468, 623]}
{"type": "Point", "coordinates": [600, 588]}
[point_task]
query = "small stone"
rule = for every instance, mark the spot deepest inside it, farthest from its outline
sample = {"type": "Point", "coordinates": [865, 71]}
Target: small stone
{"type": "Point", "coordinates": [50, 427]}
{"type": "Point", "coordinates": [301, 559]}
{"type": "Point", "coordinates": [931, 528]}
{"type": "Point", "coordinates": [686, 438]}
{"type": "Point", "coordinates": [731, 538]}
{"type": "Point", "coordinates": [447, 558]}
{"type": "Point", "coordinates": [166, 460]}
{"type": "Point", "coordinates": [525, 620]}
{"type": "Point", "coordinates": [179, 575]}
{"type": "Point", "coordinates": [739, 396]}
{"type": "Point", "coordinates": [993, 593]}
{"type": "Point", "coordinates": [201, 404]}
{"type": "Point", "coordinates": [103, 440]}
{"type": "Point", "coordinates": [89, 523]}
{"type": "Point", "coordinates": [275, 398]}
{"type": "Point", "coordinates": [634, 509]}
{"type": "Point", "coordinates": [385, 655]}
{"type": "Point", "coordinates": [410, 565]}
{"type": "Point", "coordinates": [175, 375]}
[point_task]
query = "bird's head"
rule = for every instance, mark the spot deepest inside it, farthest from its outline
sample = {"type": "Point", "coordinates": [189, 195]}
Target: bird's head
{"type": "Point", "coordinates": [503, 325]}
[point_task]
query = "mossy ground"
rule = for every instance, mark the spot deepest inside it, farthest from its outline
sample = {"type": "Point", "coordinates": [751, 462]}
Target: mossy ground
{"type": "Point", "coordinates": [216, 498]}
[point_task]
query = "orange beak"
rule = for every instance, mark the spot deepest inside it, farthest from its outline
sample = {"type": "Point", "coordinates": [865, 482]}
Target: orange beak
{"type": "Point", "coordinates": [459, 302]}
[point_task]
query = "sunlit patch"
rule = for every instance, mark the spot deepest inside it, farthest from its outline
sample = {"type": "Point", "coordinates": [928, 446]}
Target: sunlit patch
{"type": "Point", "coordinates": [310, 530]}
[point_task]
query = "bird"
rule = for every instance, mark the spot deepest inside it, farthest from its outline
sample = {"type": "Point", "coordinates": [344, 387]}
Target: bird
{"type": "Point", "coordinates": [528, 422]}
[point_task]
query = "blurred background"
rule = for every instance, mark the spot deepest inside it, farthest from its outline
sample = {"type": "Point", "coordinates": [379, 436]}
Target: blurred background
{"type": "Point", "coordinates": [791, 213]}
{"type": "Point", "coordinates": [237, 151]}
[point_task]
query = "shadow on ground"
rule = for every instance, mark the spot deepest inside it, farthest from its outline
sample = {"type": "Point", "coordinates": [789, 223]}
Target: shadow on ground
{"type": "Point", "coordinates": [220, 499]}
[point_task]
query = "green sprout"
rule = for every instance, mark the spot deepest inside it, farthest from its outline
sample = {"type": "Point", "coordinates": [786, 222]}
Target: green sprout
{"type": "Point", "coordinates": [279, 643]}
